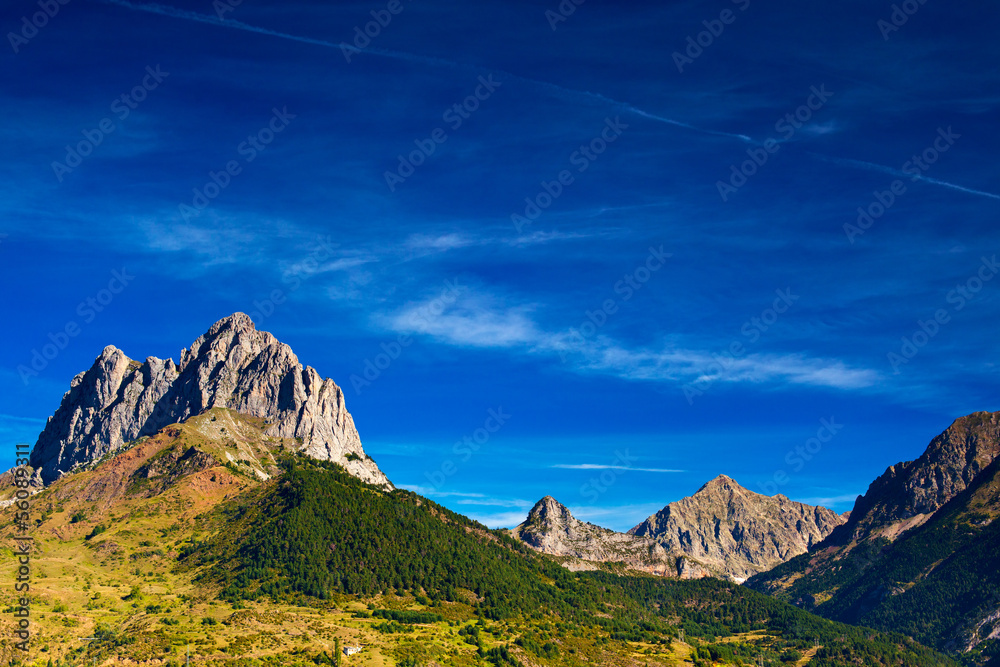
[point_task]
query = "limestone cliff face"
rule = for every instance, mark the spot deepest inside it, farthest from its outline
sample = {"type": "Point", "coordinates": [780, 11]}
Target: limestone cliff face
{"type": "Point", "coordinates": [232, 366]}
{"type": "Point", "coordinates": [735, 531]}
{"type": "Point", "coordinates": [551, 529]}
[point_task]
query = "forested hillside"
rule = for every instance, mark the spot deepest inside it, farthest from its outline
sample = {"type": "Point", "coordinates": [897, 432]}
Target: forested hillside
{"type": "Point", "coordinates": [318, 533]}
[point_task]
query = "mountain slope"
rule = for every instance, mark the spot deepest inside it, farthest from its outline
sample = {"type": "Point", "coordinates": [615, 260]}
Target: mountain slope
{"type": "Point", "coordinates": [737, 532]}
{"type": "Point", "coordinates": [920, 550]}
{"type": "Point", "coordinates": [922, 554]}
{"type": "Point", "coordinates": [908, 493]}
{"type": "Point", "coordinates": [551, 529]}
{"type": "Point", "coordinates": [214, 536]}
{"type": "Point", "coordinates": [939, 582]}
{"type": "Point", "coordinates": [232, 366]}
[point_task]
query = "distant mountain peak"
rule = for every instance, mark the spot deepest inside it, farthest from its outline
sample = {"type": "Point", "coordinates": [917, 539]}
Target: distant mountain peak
{"type": "Point", "coordinates": [232, 366]}
{"type": "Point", "coordinates": [237, 321]}
{"type": "Point", "coordinates": [549, 507]}
{"type": "Point", "coordinates": [552, 529]}
{"type": "Point", "coordinates": [722, 483]}
{"type": "Point", "coordinates": [733, 530]}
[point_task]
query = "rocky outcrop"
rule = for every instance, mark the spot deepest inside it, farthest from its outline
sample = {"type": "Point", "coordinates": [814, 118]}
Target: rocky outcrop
{"type": "Point", "coordinates": [231, 366]}
{"type": "Point", "coordinates": [918, 554]}
{"type": "Point", "coordinates": [551, 529]}
{"type": "Point", "coordinates": [908, 493]}
{"type": "Point", "coordinates": [737, 532]}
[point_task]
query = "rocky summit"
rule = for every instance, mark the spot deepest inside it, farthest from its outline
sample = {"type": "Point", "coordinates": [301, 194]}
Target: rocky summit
{"type": "Point", "coordinates": [551, 529]}
{"type": "Point", "coordinates": [909, 493]}
{"type": "Point", "coordinates": [233, 366]}
{"type": "Point", "coordinates": [919, 553]}
{"type": "Point", "coordinates": [737, 532]}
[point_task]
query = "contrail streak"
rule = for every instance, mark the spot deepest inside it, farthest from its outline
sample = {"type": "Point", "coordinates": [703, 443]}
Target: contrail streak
{"type": "Point", "coordinates": [871, 166]}
{"type": "Point", "coordinates": [559, 91]}
{"type": "Point", "coordinates": [166, 10]}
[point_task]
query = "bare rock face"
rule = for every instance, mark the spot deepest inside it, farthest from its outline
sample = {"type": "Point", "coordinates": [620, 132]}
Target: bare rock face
{"type": "Point", "coordinates": [551, 529]}
{"type": "Point", "coordinates": [232, 366]}
{"type": "Point", "coordinates": [908, 493]}
{"type": "Point", "coordinates": [737, 532]}
{"type": "Point", "coordinates": [923, 525]}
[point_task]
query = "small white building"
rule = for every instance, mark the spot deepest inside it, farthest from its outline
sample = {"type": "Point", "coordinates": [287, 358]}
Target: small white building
{"type": "Point", "coordinates": [351, 650]}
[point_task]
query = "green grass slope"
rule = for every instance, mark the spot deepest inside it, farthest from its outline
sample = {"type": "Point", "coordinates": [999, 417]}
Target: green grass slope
{"type": "Point", "coordinates": [211, 540]}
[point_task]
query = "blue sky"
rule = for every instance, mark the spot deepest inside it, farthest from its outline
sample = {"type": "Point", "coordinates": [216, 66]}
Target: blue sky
{"type": "Point", "coordinates": [735, 312]}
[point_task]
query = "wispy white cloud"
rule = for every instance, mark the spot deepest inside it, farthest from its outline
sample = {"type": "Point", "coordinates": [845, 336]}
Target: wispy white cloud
{"type": "Point", "coordinates": [690, 365]}
{"type": "Point", "coordinates": [830, 501]}
{"type": "Point", "coordinates": [485, 321]}
{"type": "Point", "coordinates": [426, 244]}
{"type": "Point", "coordinates": [498, 519]}
{"type": "Point", "coordinates": [432, 492]}
{"type": "Point", "coordinates": [541, 237]}
{"type": "Point", "coordinates": [307, 267]}
{"type": "Point", "coordinates": [475, 320]}
{"type": "Point", "coordinates": [439, 243]}
{"type": "Point", "coordinates": [24, 420]}
{"type": "Point", "coordinates": [597, 466]}
{"type": "Point", "coordinates": [616, 517]}
{"type": "Point", "coordinates": [497, 502]}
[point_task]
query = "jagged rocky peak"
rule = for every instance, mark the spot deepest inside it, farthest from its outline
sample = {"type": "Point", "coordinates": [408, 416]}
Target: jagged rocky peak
{"type": "Point", "coordinates": [233, 366]}
{"type": "Point", "coordinates": [552, 529]}
{"type": "Point", "coordinates": [736, 531]}
{"type": "Point", "coordinates": [549, 508]}
{"type": "Point", "coordinates": [547, 518]}
{"type": "Point", "coordinates": [720, 484]}
{"type": "Point", "coordinates": [908, 493]}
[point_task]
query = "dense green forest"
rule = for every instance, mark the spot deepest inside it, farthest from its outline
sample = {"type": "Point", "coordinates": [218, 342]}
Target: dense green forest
{"type": "Point", "coordinates": [318, 533]}
{"type": "Point", "coordinates": [930, 584]}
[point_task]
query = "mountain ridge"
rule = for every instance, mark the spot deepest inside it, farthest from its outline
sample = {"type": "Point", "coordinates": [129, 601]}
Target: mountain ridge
{"type": "Point", "coordinates": [232, 365]}
{"type": "Point", "coordinates": [213, 537]}
{"type": "Point", "coordinates": [734, 530]}
{"type": "Point", "coordinates": [722, 530]}
{"type": "Point", "coordinates": [919, 549]}
{"type": "Point", "coordinates": [551, 529]}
